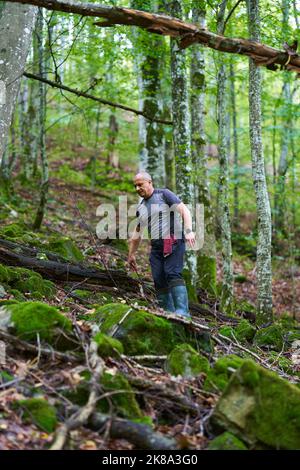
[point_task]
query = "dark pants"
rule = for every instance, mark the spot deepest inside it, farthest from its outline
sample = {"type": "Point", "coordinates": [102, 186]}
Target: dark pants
{"type": "Point", "coordinates": [167, 271]}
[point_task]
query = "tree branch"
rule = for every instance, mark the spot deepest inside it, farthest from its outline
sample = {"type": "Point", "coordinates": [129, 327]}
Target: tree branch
{"type": "Point", "coordinates": [187, 33]}
{"type": "Point", "coordinates": [91, 97]}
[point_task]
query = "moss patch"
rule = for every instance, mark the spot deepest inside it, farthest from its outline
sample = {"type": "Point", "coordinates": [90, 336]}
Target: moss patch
{"type": "Point", "coordinates": [122, 399]}
{"type": "Point", "coordinates": [244, 332]}
{"type": "Point", "coordinates": [260, 408]}
{"type": "Point", "coordinates": [270, 337]}
{"type": "Point", "coordinates": [219, 376]}
{"type": "Point", "coordinates": [65, 247]}
{"type": "Point", "coordinates": [186, 361]}
{"type": "Point", "coordinates": [39, 412]}
{"type": "Point", "coordinates": [107, 346]}
{"type": "Point", "coordinates": [18, 232]}
{"type": "Point", "coordinates": [27, 319]}
{"type": "Point", "coordinates": [226, 441]}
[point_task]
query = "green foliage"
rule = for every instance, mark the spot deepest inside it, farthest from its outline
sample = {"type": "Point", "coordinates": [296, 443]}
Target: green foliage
{"type": "Point", "coordinates": [207, 273]}
{"type": "Point", "coordinates": [39, 412]}
{"type": "Point", "coordinates": [186, 362]}
{"type": "Point", "coordinates": [244, 244]}
{"type": "Point", "coordinates": [270, 337]}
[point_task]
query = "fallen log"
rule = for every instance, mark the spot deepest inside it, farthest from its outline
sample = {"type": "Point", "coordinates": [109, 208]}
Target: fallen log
{"type": "Point", "coordinates": [67, 271]}
{"type": "Point", "coordinates": [140, 435]}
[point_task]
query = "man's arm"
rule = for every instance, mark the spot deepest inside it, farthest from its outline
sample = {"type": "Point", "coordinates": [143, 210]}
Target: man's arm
{"type": "Point", "coordinates": [187, 223]}
{"type": "Point", "coordinates": [134, 243]}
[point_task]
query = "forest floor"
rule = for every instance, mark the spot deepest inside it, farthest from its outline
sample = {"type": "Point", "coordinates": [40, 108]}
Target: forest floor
{"type": "Point", "coordinates": [72, 207]}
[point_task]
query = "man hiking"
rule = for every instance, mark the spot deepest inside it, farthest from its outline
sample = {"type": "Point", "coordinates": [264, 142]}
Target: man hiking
{"type": "Point", "coordinates": [169, 226]}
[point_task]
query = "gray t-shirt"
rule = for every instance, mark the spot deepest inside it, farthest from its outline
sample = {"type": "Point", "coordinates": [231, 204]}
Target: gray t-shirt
{"type": "Point", "coordinates": [159, 214]}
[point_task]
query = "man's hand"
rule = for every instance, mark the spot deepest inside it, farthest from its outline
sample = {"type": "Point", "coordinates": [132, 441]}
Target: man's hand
{"type": "Point", "coordinates": [131, 260]}
{"type": "Point", "coordinates": [191, 239]}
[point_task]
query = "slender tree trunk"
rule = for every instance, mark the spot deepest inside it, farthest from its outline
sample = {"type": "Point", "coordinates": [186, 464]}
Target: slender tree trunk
{"type": "Point", "coordinates": [264, 267]}
{"type": "Point", "coordinates": [280, 197]}
{"type": "Point", "coordinates": [29, 106]}
{"type": "Point", "coordinates": [224, 216]}
{"type": "Point", "coordinates": [112, 157]}
{"type": "Point", "coordinates": [42, 137]}
{"type": "Point", "coordinates": [235, 147]}
{"type": "Point", "coordinates": [206, 259]}
{"type": "Point", "coordinates": [169, 161]}
{"type": "Point", "coordinates": [16, 26]}
{"type": "Point", "coordinates": [149, 66]}
{"type": "Point", "coordinates": [181, 136]}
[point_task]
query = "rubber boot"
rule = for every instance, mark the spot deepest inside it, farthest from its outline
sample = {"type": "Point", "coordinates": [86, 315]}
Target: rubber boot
{"type": "Point", "coordinates": [165, 300]}
{"type": "Point", "coordinates": [181, 301]}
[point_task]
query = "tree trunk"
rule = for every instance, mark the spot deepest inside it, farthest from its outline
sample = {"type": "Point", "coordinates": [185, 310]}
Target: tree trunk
{"type": "Point", "coordinates": [264, 267]}
{"type": "Point", "coordinates": [181, 136]}
{"type": "Point", "coordinates": [16, 26]}
{"type": "Point", "coordinates": [280, 197]}
{"type": "Point", "coordinates": [112, 157]}
{"type": "Point", "coordinates": [206, 259]}
{"type": "Point", "coordinates": [224, 216]}
{"type": "Point", "coordinates": [149, 65]}
{"type": "Point", "coordinates": [42, 136]}
{"type": "Point", "coordinates": [235, 147]}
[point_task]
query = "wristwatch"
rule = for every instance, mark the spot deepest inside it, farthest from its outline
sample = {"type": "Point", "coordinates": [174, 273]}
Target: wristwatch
{"type": "Point", "coordinates": [187, 231]}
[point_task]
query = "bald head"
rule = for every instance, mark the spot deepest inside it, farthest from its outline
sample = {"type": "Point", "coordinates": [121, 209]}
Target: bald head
{"type": "Point", "coordinates": [143, 175]}
{"type": "Point", "coordinates": [143, 184]}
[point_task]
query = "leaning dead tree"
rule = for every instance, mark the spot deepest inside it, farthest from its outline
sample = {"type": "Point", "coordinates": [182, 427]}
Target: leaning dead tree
{"type": "Point", "coordinates": [187, 33]}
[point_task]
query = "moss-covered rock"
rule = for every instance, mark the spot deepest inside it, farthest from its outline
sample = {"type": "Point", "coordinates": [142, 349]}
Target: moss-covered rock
{"type": "Point", "coordinates": [27, 319]}
{"type": "Point", "coordinates": [270, 337]}
{"type": "Point", "coordinates": [18, 232]}
{"type": "Point", "coordinates": [65, 247]}
{"type": "Point", "coordinates": [61, 245]}
{"type": "Point", "coordinates": [226, 441]}
{"type": "Point", "coordinates": [141, 332]}
{"type": "Point", "coordinates": [219, 376]}
{"type": "Point", "coordinates": [21, 280]}
{"type": "Point", "coordinates": [39, 412]}
{"type": "Point", "coordinates": [120, 397]}
{"type": "Point", "coordinates": [108, 346]}
{"type": "Point", "coordinates": [186, 361]}
{"type": "Point", "coordinates": [260, 408]}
